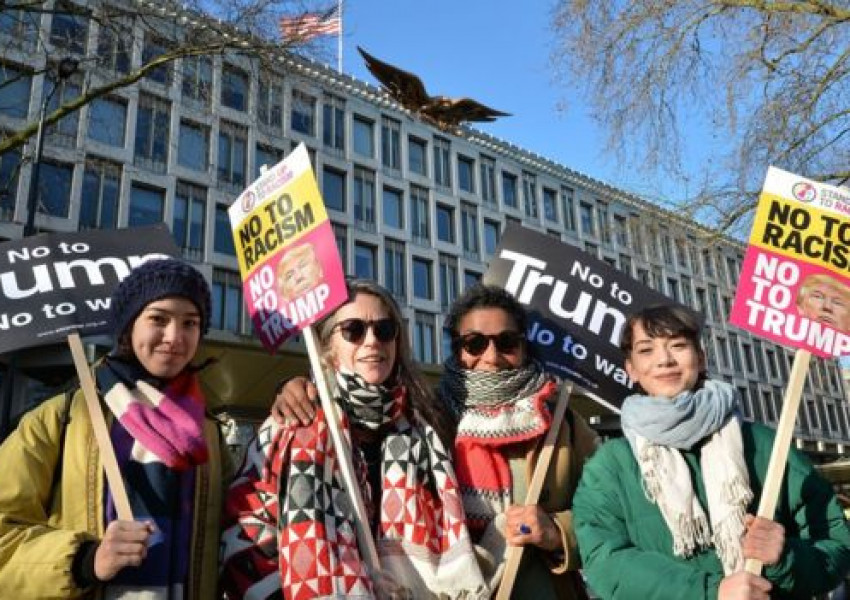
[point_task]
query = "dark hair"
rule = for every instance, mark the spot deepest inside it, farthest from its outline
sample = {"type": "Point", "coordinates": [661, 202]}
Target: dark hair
{"type": "Point", "coordinates": [419, 392]}
{"type": "Point", "coordinates": [663, 320]}
{"type": "Point", "coordinates": [485, 296]}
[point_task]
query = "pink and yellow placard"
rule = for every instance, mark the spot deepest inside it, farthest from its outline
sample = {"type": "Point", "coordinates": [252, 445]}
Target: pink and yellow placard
{"type": "Point", "coordinates": [795, 279]}
{"type": "Point", "coordinates": [292, 275]}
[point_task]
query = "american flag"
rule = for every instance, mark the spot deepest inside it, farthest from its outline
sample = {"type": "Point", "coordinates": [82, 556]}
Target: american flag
{"type": "Point", "coordinates": [309, 25]}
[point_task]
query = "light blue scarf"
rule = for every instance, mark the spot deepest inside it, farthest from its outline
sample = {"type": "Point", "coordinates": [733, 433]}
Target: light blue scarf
{"type": "Point", "coordinates": [683, 421]}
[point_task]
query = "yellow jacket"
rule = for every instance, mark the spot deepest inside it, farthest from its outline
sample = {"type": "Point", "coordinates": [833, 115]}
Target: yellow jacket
{"type": "Point", "coordinates": [42, 524]}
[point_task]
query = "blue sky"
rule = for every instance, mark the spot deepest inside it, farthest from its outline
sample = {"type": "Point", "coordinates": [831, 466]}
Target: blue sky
{"type": "Point", "coordinates": [495, 51]}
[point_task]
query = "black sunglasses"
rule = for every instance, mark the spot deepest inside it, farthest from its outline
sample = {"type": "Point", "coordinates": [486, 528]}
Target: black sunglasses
{"type": "Point", "coordinates": [354, 330]}
{"type": "Point", "coordinates": [475, 343]}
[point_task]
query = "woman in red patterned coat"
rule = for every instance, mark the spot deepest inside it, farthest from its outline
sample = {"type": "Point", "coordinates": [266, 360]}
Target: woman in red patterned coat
{"type": "Point", "coordinates": [290, 526]}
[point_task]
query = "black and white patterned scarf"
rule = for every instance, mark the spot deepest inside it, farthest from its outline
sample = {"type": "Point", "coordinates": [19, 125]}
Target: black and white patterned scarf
{"type": "Point", "coordinates": [366, 405]}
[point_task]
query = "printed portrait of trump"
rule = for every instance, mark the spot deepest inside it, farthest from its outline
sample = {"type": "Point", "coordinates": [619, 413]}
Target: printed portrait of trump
{"type": "Point", "coordinates": [298, 272]}
{"type": "Point", "coordinates": [824, 299]}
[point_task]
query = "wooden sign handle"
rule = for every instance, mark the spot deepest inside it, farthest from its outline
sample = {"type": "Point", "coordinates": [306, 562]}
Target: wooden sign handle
{"type": "Point", "coordinates": [781, 445]}
{"type": "Point", "coordinates": [364, 534]}
{"type": "Point", "coordinates": [513, 556]}
{"type": "Point", "coordinates": [101, 432]}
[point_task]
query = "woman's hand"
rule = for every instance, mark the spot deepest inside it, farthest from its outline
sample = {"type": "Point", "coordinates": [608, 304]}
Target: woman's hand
{"type": "Point", "coordinates": [531, 525]}
{"type": "Point", "coordinates": [763, 540]}
{"type": "Point", "coordinates": [744, 586]}
{"type": "Point", "coordinates": [296, 402]}
{"type": "Point", "coordinates": [124, 544]}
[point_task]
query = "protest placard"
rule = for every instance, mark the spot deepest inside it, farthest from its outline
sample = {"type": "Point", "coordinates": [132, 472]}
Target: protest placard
{"type": "Point", "coordinates": [795, 280]}
{"type": "Point", "coordinates": [794, 290]}
{"type": "Point", "coordinates": [577, 306]}
{"type": "Point", "coordinates": [291, 272]}
{"type": "Point", "coordinates": [58, 283]}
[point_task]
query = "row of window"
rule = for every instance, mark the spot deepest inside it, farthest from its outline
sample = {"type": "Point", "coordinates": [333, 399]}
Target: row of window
{"type": "Point", "coordinates": [764, 405]}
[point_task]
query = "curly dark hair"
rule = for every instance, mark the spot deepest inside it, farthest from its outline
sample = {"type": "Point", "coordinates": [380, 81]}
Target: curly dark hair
{"type": "Point", "coordinates": [482, 295]}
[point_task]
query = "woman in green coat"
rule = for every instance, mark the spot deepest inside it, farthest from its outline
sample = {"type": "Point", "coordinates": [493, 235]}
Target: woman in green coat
{"type": "Point", "coordinates": [666, 511]}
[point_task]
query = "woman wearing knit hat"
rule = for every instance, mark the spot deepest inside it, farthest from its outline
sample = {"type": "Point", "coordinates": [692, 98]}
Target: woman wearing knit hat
{"type": "Point", "coordinates": [59, 535]}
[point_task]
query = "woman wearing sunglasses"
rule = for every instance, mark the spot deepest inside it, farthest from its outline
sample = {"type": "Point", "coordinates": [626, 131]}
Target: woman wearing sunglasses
{"type": "Point", "coordinates": [663, 512]}
{"type": "Point", "coordinates": [503, 403]}
{"type": "Point", "coordinates": [291, 532]}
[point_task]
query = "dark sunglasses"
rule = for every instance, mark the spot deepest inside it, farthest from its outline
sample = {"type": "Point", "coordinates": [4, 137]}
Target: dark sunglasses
{"type": "Point", "coordinates": [475, 343]}
{"type": "Point", "coordinates": [354, 330]}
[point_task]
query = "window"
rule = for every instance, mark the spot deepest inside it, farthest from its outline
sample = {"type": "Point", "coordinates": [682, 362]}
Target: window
{"type": "Point", "coordinates": [362, 129]}
{"type": "Point", "coordinates": [568, 208]}
{"type": "Point", "coordinates": [64, 133]}
{"type": "Point", "coordinates": [420, 228]}
{"type": "Point", "coordinates": [673, 289]}
{"type": "Point", "coordinates": [53, 192]}
{"type": "Point", "coordinates": [469, 229]}
{"type": "Point", "coordinates": [492, 235]}
{"type": "Point", "coordinates": [193, 146]}
{"type": "Point", "coordinates": [621, 231]}
{"type": "Point", "coordinates": [152, 133]}
{"type": "Point", "coordinates": [393, 208]}
{"type": "Point", "coordinates": [227, 304]}
{"type": "Point", "coordinates": [424, 338]}
{"type": "Point", "coordinates": [391, 143]}
{"type": "Point", "coordinates": [422, 286]}
{"type": "Point", "coordinates": [146, 205]}
{"type": "Point", "coordinates": [198, 79]}
{"type": "Point", "coordinates": [394, 266]}
{"type": "Point", "coordinates": [341, 237]}
{"type": "Point", "coordinates": [20, 26]}
{"type": "Point", "coordinates": [416, 155]}
{"type": "Point", "coordinates": [470, 278]}
{"type": "Point", "coordinates": [591, 249]}
{"type": "Point", "coordinates": [626, 264]}
{"type": "Point", "coordinates": [708, 263]}
{"type": "Point", "coordinates": [466, 174]}
{"type": "Point", "coordinates": [223, 234]}
{"type": "Point", "coordinates": [529, 195]}
{"type": "Point", "coordinates": [758, 352]}
{"type": "Point", "coordinates": [442, 162]}
{"type": "Point", "coordinates": [10, 166]}
{"type": "Point", "coordinates": [723, 352]}
{"type": "Point", "coordinates": [681, 253]}
{"type": "Point", "coordinates": [113, 47]}
{"type": "Point", "coordinates": [15, 85]}
{"type": "Point", "coordinates": [190, 202]}
{"type": "Point", "coordinates": [153, 49]}
{"type": "Point", "coordinates": [235, 87]}
{"type": "Point", "coordinates": [550, 205]}
{"type": "Point", "coordinates": [69, 28]}
{"type": "Point", "coordinates": [445, 223]}
{"type": "Point", "coordinates": [732, 270]}
{"type": "Point", "coordinates": [714, 301]}
{"type": "Point", "coordinates": [667, 248]}
{"type": "Point", "coordinates": [687, 294]}
{"type": "Point", "coordinates": [232, 154]}
{"type": "Point", "coordinates": [636, 232]}
{"type": "Point", "coordinates": [270, 103]}
{"type": "Point", "coordinates": [333, 122]}
{"type": "Point", "coordinates": [603, 222]}
{"type": "Point", "coordinates": [303, 113]}
{"type": "Point", "coordinates": [702, 303]}
{"type": "Point", "coordinates": [748, 358]}
{"type": "Point", "coordinates": [99, 198]}
{"type": "Point", "coordinates": [364, 261]}
{"type": "Point", "coordinates": [265, 156]}
{"type": "Point", "coordinates": [585, 212]}
{"type": "Point", "coordinates": [488, 180]}
{"type": "Point", "coordinates": [364, 198]}
{"type": "Point", "coordinates": [108, 121]}
{"type": "Point", "coordinates": [509, 190]}
{"type": "Point", "coordinates": [333, 188]}
{"type": "Point", "coordinates": [448, 280]}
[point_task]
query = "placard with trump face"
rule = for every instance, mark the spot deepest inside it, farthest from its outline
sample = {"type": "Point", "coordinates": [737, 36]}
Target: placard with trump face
{"type": "Point", "coordinates": [291, 271]}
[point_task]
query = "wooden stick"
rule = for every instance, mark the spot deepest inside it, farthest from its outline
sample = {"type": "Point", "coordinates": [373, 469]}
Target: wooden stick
{"type": "Point", "coordinates": [101, 433]}
{"type": "Point", "coordinates": [364, 534]}
{"type": "Point", "coordinates": [514, 553]}
{"type": "Point", "coordinates": [781, 445]}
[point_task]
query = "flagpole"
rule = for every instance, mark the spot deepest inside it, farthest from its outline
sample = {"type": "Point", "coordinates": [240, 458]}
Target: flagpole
{"type": "Point", "coordinates": [339, 38]}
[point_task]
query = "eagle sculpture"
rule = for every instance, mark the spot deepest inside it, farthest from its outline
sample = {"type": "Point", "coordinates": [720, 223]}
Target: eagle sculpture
{"type": "Point", "coordinates": [409, 91]}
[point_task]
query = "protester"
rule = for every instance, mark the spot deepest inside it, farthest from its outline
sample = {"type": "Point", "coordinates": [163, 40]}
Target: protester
{"type": "Point", "coordinates": [291, 527]}
{"type": "Point", "coordinates": [502, 403]}
{"type": "Point", "coordinates": [59, 535]}
{"type": "Point", "coordinates": [666, 512]}
{"type": "Point", "coordinates": [823, 298]}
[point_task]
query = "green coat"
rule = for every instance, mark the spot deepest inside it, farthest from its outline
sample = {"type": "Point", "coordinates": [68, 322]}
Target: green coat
{"type": "Point", "coordinates": [626, 546]}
